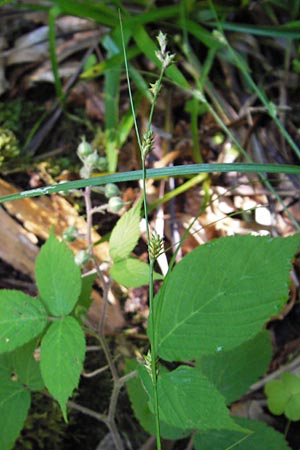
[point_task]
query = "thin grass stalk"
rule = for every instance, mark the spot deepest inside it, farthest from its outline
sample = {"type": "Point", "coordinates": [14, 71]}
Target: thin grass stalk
{"type": "Point", "coordinates": [151, 261]}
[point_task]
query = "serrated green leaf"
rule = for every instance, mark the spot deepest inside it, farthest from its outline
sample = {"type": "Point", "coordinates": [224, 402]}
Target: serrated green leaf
{"type": "Point", "coordinates": [25, 366]}
{"type": "Point", "coordinates": [283, 396]}
{"type": "Point", "coordinates": [21, 319]}
{"type": "Point", "coordinates": [125, 234]}
{"type": "Point", "coordinates": [62, 355]}
{"type": "Point", "coordinates": [187, 399]}
{"type": "Point", "coordinates": [139, 401]}
{"type": "Point", "coordinates": [262, 436]}
{"type": "Point", "coordinates": [132, 273]}
{"type": "Point", "coordinates": [14, 406]}
{"type": "Point", "coordinates": [221, 294]}
{"type": "Point", "coordinates": [58, 277]}
{"type": "Point", "coordinates": [229, 371]}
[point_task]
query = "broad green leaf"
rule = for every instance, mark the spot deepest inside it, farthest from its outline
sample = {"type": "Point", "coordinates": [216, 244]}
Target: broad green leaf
{"type": "Point", "coordinates": [132, 273]}
{"type": "Point", "coordinates": [188, 399]}
{"type": "Point", "coordinates": [125, 234]}
{"type": "Point", "coordinates": [139, 401]}
{"type": "Point", "coordinates": [14, 406]}
{"type": "Point", "coordinates": [262, 436]}
{"type": "Point", "coordinates": [5, 366]}
{"type": "Point", "coordinates": [221, 294]}
{"type": "Point", "coordinates": [25, 366]}
{"type": "Point", "coordinates": [21, 319]}
{"type": "Point", "coordinates": [62, 355]}
{"type": "Point", "coordinates": [229, 371]}
{"type": "Point", "coordinates": [58, 277]}
{"type": "Point", "coordinates": [284, 396]}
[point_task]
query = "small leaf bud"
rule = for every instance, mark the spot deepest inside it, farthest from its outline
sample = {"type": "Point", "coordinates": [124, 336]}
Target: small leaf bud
{"type": "Point", "coordinates": [85, 172]}
{"type": "Point", "coordinates": [84, 149]}
{"type": "Point", "coordinates": [115, 204]}
{"type": "Point", "coordinates": [70, 234]}
{"type": "Point", "coordinates": [92, 160]}
{"type": "Point", "coordinates": [82, 257]}
{"type": "Point", "coordinates": [102, 163]}
{"type": "Point", "coordinates": [111, 190]}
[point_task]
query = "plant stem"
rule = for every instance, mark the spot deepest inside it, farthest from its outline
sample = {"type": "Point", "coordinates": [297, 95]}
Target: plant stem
{"type": "Point", "coordinates": [151, 307]}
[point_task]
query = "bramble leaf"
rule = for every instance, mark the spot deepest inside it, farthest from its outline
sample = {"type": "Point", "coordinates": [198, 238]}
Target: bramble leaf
{"type": "Point", "coordinates": [188, 400]}
{"type": "Point", "coordinates": [132, 273]}
{"type": "Point", "coordinates": [125, 234]}
{"type": "Point", "coordinates": [262, 436]}
{"type": "Point", "coordinates": [62, 355]}
{"type": "Point", "coordinates": [14, 406]}
{"type": "Point", "coordinates": [27, 369]}
{"type": "Point", "coordinates": [229, 371]}
{"type": "Point", "coordinates": [22, 318]}
{"type": "Point", "coordinates": [58, 277]}
{"type": "Point", "coordinates": [221, 294]}
{"type": "Point", "coordinates": [139, 402]}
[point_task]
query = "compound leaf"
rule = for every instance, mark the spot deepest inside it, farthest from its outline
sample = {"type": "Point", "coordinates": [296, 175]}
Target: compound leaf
{"type": "Point", "coordinates": [58, 277]}
{"type": "Point", "coordinates": [284, 396]}
{"type": "Point", "coordinates": [14, 406]}
{"type": "Point", "coordinates": [221, 294]}
{"type": "Point", "coordinates": [62, 355]}
{"type": "Point", "coordinates": [21, 319]}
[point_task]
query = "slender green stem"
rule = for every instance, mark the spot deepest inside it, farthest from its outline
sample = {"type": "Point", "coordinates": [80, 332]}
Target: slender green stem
{"type": "Point", "coordinates": [151, 307]}
{"type": "Point", "coordinates": [154, 369]}
{"type": "Point", "coordinates": [144, 178]}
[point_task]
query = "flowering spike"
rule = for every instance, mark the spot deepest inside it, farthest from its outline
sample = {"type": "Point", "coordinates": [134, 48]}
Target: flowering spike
{"type": "Point", "coordinates": [156, 246]}
{"type": "Point", "coordinates": [147, 143]}
{"type": "Point", "coordinates": [165, 57]}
